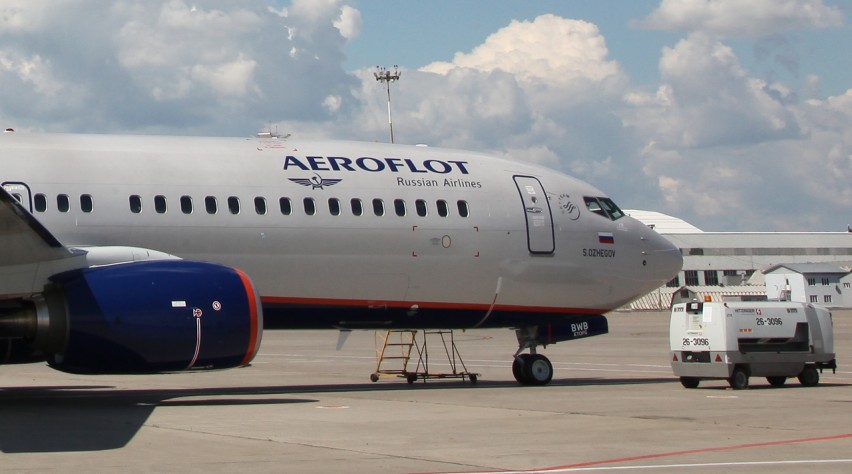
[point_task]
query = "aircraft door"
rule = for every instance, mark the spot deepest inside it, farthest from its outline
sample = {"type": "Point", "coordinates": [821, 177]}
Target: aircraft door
{"type": "Point", "coordinates": [540, 239]}
{"type": "Point", "coordinates": [21, 192]}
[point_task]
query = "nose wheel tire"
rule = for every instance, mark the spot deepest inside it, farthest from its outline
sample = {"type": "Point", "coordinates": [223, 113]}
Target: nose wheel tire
{"type": "Point", "coordinates": [518, 364]}
{"type": "Point", "coordinates": [532, 369]}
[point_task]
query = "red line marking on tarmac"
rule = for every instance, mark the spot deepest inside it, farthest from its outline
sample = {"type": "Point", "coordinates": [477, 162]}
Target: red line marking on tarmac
{"type": "Point", "coordinates": [694, 451]}
{"type": "Point", "coordinates": [671, 454]}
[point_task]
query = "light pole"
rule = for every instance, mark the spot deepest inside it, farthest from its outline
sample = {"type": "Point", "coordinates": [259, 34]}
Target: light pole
{"type": "Point", "coordinates": [384, 75]}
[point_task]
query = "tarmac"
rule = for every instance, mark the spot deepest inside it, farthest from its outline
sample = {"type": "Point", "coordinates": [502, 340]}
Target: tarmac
{"type": "Point", "coordinates": [613, 406]}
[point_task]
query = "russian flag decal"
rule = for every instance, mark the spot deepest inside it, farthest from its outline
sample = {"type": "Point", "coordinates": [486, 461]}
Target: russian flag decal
{"type": "Point", "coordinates": [606, 238]}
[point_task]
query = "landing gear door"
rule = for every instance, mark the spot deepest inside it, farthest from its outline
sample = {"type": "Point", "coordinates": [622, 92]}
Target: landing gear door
{"type": "Point", "coordinates": [21, 192]}
{"type": "Point", "coordinates": [539, 219]}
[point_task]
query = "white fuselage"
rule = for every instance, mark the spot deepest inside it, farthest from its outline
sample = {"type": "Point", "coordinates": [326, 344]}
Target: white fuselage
{"type": "Point", "coordinates": [462, 232]}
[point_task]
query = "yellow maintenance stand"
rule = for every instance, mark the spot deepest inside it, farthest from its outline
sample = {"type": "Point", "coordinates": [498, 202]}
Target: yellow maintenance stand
{"type": "Point", "coordinates": [397, 345]}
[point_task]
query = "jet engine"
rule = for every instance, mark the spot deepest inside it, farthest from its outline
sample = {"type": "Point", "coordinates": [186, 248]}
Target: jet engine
{"type": "Point", "coordinates": [143, 317]}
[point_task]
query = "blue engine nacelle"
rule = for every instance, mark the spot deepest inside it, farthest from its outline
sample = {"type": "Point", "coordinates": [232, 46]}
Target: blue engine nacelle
{"type": "Point", "coordinates": [154, 316]}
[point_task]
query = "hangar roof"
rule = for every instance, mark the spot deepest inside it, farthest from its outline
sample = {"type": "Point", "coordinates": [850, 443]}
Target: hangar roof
{"type": "Point", "coordinates": [663, 223]}
{"type": "Point", "coordinates": [808, 268]}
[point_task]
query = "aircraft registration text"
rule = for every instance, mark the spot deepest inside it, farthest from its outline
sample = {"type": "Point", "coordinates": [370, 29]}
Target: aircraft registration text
{"type": "Point", "coordinates": [602, 253]}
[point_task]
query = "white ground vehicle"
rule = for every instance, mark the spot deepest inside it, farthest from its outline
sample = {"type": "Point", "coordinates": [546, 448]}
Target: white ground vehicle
{"type": "Point", "coordinates": [736, 340]}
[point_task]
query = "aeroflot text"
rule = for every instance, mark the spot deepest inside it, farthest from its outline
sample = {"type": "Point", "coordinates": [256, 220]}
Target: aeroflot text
{"type": "Point", "coordinates": [374, 165]}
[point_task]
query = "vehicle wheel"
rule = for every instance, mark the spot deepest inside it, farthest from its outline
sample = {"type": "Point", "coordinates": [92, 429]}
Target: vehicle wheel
{"type": "Point", "coordinates": [809, 376]}
{"type": "Point", "coordinates": [539, 370]}
{"type": "Point", "coordinates": [518, 365]}
{"type": "Point", "coordinates": [374, 377]}
{"type": "Point", "coordinates": [777, 380]}
{"type": "Point", "coordinates": [739, 379]}
{"type": "Point", "coordinates": [689, 382]}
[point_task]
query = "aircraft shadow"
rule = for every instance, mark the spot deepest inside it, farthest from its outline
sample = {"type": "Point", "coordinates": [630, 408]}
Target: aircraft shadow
{"type": "Point", "coordinates": [96, 418]}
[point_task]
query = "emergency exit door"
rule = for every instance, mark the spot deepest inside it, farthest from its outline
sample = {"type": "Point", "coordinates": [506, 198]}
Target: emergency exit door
{"type": "Point", "coordinates": [540, 238]}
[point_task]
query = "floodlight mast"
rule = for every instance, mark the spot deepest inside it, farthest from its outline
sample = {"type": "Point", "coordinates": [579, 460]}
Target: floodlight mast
{"type": "Point", "coordinates": [385, 75]}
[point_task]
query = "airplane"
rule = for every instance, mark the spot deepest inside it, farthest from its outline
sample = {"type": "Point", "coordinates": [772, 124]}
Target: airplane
{"type": "Point", "coordinates": [140, 254]}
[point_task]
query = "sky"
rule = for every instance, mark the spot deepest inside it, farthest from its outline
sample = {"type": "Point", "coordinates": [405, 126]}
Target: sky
{"type": "Point", "coordinates": [731, 115]}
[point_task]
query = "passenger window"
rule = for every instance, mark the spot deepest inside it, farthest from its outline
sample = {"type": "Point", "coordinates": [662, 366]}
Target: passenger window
{"type": "Point", "coordinates": [310, 206]}
{"type": "Point", "coordinates": [40, 202]}
{"type": "Point", "coordinates": [18, 197]}
{"type": "Point", "coordinates": [286, 207]}
{"type": "Point", "coordinates": [420, 206]}
{"type": "Point", "coordinates": [334, 206]}
{"type": "Point", "coordinates": [63, 203]}
{"type": "Point", "coordinates": [211, 204]}
{"type": "Point", "coordinates": [357, 207]}
{"type": "Point", "coordinates": [135, 204]}
{"type": "Point", "coordinates": [234, 204]}
{"type": "Point", "coordinates": [160, 204]}
{"type": "Point", "coordinates": [463, 210]}
{"type": "Point", "coordinates": [186, 204]}
{"type": "Point", "coordinates": [260, 205]}
{"type": "Point", "coordinates": [378, 207]}
{"type": "Point", "coordinates": [86, 203]}
{"type": "Point", "coordinates": [443, 210]}
{"type": "Point", "coordinates": [399, 207]}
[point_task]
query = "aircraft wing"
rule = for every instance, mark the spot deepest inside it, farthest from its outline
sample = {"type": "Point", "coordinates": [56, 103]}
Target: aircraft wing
{"type": "Point", "coordinates": [23, 239]}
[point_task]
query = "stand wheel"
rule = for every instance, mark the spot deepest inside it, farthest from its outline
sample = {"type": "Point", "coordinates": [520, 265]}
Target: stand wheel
{"type": "Point", "coordinates": [374, 377]}
{"type": "Point", "coordinates": [411, 378]}
{"type": "Point", "coordinates": [472, 378]}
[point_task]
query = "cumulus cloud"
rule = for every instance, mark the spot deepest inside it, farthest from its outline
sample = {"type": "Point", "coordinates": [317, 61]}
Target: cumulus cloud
{"type": "Point", "coordinates": [32, 70]}
{"type": "Point", "coordinates": [722, 141]}
{"type": "Point", "coordinates": [216, 67]}
{"type": "Point", "coordinates": [549, 49]}
{"type": "Point", "coordinates": [548, 80]}
{"type": "Point", "coordinates": [708, 99]}
{"type": "Point", "coordinates": [710, 142]}
{"type": "Point", "coordinates": [735, 18]}
{"type": "Point", "coordinates": [20, 16]}
{"type": "Point", "coordinates": [349, 22]}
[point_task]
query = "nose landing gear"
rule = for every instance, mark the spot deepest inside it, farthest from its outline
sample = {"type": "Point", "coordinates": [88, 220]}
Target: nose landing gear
{"type": "Point", "coordinates": [532, 368]}
{"type": "Point", "coordinates": [536, 369]}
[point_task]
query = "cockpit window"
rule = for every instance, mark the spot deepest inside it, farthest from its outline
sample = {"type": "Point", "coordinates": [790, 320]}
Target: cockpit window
{"type": "Point", "coordinates": [603, 207]}
{"type": "Point", "coordinates": [593, 205]}
{"type": "Point", "coordinates": [614, 212]}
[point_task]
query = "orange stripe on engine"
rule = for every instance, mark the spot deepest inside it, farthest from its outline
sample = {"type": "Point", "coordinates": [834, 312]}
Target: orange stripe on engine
{"type": "Point", "coordinates": [254, 332]}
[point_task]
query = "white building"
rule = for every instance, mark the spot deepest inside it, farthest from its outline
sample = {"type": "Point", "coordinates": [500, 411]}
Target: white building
{"type": "Point", "coordinates": [821, 283]}
{"type": "Point", "coordinates": [735, 259]}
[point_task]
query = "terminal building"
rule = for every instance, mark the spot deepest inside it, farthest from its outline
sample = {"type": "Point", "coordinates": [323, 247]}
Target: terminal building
{"type": "Point", "coordinates": [810, 267]}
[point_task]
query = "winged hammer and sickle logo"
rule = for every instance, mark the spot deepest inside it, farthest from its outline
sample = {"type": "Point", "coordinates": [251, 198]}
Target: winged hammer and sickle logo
{"type": "Point", "coordinates": [317, 182]}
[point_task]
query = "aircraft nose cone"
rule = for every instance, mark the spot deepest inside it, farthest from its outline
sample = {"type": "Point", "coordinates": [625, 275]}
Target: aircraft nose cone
{"type": "Point", "coordinates": [667, 258]}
